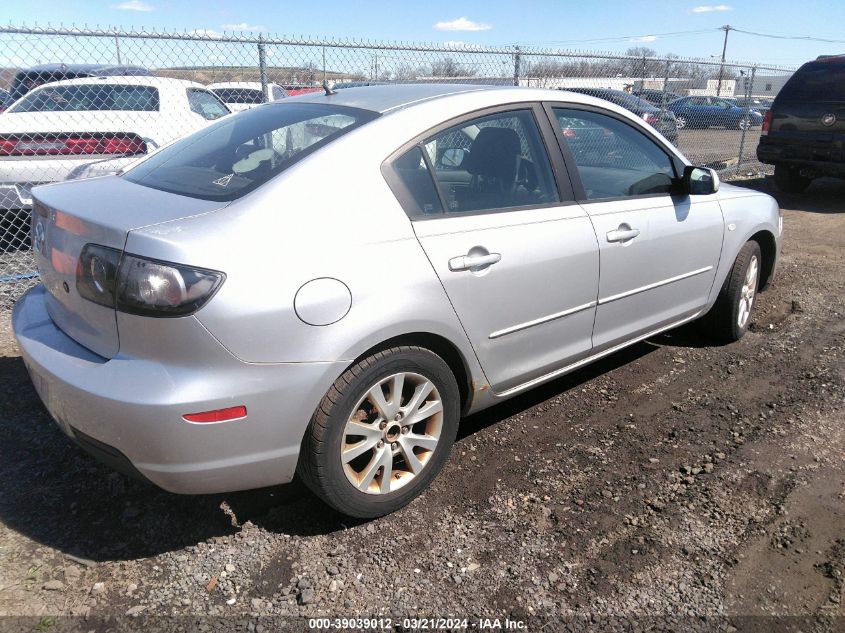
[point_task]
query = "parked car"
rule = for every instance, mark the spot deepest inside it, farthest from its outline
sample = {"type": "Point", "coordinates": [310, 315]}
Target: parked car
{"type": "Point", "coordinates": [29, 78]}
{"type": "Point", "coordinates": [804, 132]}
{"type": "Point", "coordinates": [657, 98]}
{"type": "Point", "coordinates": [661, 120]}
{"type": "Point", "coordinates": [759, 104]}
{"type": "Point", "coordinates": [61, 128]}
{"type": "Point", "coordinates": [243, 95]}
{"type": "Point", "coordinates": [208, 323]}
{"type": "Point", "coordinates": [299, 89]}
{"type": "Point", "coordinates": [702, 112]}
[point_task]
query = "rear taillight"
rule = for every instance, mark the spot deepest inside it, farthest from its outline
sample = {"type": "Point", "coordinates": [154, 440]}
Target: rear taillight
{"type": "Point", "coordinates": [72, 145]}
{"type": "Point", "coordinates": [143, 286]}
{"type": "Point", "coordinates": [650, 118]}
{"type": "Point", "coordinates": [568, 132]}
{"type": "Point", "coordinates": [767, 123]}
{"type": "Point", "coordinates": [96, 274]}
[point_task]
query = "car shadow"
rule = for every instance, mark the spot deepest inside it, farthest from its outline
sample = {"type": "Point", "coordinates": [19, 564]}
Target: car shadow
{"type": "Point", "coordinates": [55, 494]}
{"type": "Point", "coordinates": [824, 195]}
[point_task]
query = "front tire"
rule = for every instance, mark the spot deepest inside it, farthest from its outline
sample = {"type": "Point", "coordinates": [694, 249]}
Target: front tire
{"type": "Point", "coordinates": [382, 432]}
{"type": "Point", "coordinates": [791, 180]}
{"type": "Point", "coordinates": [729, 317]}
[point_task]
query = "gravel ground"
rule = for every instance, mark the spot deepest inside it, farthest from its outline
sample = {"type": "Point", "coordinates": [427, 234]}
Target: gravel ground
{"type": "Point", "coordinates": [673, 486]}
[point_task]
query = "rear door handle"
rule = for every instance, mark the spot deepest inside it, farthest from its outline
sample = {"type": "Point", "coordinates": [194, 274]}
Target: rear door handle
{"type": "Point", "coordinates": [622, 234]}
{"type": "Point", "coordinates": [473, 262]}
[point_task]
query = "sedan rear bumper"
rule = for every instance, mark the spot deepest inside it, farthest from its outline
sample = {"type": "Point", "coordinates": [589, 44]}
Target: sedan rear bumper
{"type": "Point", "coordinates": [131, 408]}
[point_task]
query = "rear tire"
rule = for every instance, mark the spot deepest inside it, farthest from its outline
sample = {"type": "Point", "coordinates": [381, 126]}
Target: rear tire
{"type": "Point", "coordinates": [729, 317]}
{"type": "Point", "coordinates": [681, 121]}
{"type": "Point", "coordinates": [790, 180]}
{"type": "Point", "coordinates": [381, 470]}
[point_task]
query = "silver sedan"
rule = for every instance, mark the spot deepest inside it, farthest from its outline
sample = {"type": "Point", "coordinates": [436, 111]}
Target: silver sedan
{"type": "Point", "coordinates": [327, 284]}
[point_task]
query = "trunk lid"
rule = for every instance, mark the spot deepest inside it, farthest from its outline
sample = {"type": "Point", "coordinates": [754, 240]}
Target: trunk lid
{"type": "Point", "coordinates": [66, 217]}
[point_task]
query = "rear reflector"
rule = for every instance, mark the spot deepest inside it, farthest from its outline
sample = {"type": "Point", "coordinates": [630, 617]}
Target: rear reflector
{"type": "Point", "coordinates": [220, 415]}
{"type": "Point", "coordinates": [72, 145]}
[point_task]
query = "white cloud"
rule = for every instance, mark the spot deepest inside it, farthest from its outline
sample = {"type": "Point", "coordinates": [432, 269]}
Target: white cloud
{"type": "Point", "coordinates": [132, 5]}
{"type": "Point", "coordinates": [241, 26]}
{"type": "Point", "coordinates": [204, 32]}
{"type": "Point", "coordinates": [462, 24]}
{"type": "Point", "coordinates": [710, 8]}
{"type": "Point", "coordinates": [643, 38]}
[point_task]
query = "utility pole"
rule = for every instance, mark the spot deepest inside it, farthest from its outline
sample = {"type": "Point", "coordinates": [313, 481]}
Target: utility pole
{"type": "Point", "coordinates": [117, 46]}
{"type": "Point", "coordinates": [727, 29]}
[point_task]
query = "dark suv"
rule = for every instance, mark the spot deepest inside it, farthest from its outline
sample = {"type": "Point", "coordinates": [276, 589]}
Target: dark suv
{"type": "Point", "coordinates": [803, 134]}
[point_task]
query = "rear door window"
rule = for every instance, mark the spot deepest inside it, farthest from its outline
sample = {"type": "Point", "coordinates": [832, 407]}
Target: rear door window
{"type": "Point", "coordinates": [494, 162]}
{"type": "Point", "coordinates": [206, 104]}
{"type": "Point", "coordinates": [86, 98]}
{"type": "Point", "coordinates": [239, 96]}
{"type": "Point", "coordinates": [816, 81]}
{"type": "Point", "coordinates": [234, 156]}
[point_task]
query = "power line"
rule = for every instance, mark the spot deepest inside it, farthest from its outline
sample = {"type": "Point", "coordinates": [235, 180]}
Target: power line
{"type": "Point", "coordinates": [809, 38]}
{"type": "Point", "coordinates": [628, 38]}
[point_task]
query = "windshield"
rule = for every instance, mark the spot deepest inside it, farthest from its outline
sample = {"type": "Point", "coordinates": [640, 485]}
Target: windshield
{"type": "Point", "coordinates": [239, 95]}
{"type": "Point", "coordinates": [86, 98]}
{"type": "Point", "coordinates": [232, 157]}
{"type": "Point", "coordinates": [816, 81]}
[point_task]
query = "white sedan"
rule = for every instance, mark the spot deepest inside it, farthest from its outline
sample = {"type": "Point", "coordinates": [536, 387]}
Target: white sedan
{"type": "Point", "coordinates": [65, 129]}
{"type": "Point", "coordinates": [243, 95]}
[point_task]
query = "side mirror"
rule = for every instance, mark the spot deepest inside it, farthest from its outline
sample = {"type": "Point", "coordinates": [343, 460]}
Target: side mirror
{"type": "Point", "coordinates": [452, 157]}
{"type": "Point", "coordinates": [699, 181]}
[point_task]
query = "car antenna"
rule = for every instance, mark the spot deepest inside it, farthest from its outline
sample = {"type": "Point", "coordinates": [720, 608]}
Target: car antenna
{"type": "Point", "coordinates": [329, 91]}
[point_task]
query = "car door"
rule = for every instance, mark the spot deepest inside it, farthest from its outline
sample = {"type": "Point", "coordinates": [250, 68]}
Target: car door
{"type": "Point", "coordinates": [658, 251]}
{"type": "Point", "coordinates": [516, 256]}
{"type": "Point", "coordinates": [723, 112]}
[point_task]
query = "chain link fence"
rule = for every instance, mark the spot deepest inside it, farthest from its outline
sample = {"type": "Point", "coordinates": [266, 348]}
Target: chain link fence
{"type": "Point", "coordinates": [136, 91]}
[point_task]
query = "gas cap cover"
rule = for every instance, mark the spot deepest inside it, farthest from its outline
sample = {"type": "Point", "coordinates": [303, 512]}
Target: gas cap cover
{"type": "Point", "coordinates": [322, 301]}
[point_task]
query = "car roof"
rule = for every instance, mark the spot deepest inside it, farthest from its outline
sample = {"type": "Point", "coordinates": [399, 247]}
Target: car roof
{"type": "Point", "coordinates": [384, 98]}
{"type": "Point", "coordinates": [135, 80]}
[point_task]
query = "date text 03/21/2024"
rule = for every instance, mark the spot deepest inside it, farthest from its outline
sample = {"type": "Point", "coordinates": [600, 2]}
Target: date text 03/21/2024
{"type": "Point", "coordinates": [417, 624]}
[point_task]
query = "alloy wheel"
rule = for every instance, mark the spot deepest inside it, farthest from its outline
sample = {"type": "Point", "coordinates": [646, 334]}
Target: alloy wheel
{"type": "Point", "coordinates": [681, 122]}
{"type": "Point", "coordinates": [747, 293]}
{"type": "Point", "coordinates": [392, 433]}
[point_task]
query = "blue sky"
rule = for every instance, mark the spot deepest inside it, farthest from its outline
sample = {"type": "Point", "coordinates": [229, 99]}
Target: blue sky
{"type": "Point", "coordinates": [612, 25]}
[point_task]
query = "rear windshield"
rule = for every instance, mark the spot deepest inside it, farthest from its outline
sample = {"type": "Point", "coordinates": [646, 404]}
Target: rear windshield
{"type": "Point", "coordinates": [86, 98]}
{"type": "Point", "coordinates": [232, 157]}
{"type": "Point", "coordinates": [816, 81]}
{"type": "Point", "coordinates": [239, 95]}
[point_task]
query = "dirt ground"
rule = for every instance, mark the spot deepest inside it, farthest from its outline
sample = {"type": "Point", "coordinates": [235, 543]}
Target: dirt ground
{"type": "Point", "coordinates": [674, 486]}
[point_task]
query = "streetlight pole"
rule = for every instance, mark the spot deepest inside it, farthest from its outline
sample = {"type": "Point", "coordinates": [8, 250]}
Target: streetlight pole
{"type": "Point", "coordinates": [727, 29]}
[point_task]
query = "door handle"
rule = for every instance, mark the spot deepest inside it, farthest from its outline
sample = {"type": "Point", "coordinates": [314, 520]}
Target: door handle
{"type": "Point", "coordinates": [622, 234]}
{"type": "Point", "coordinates": [473, 262]}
